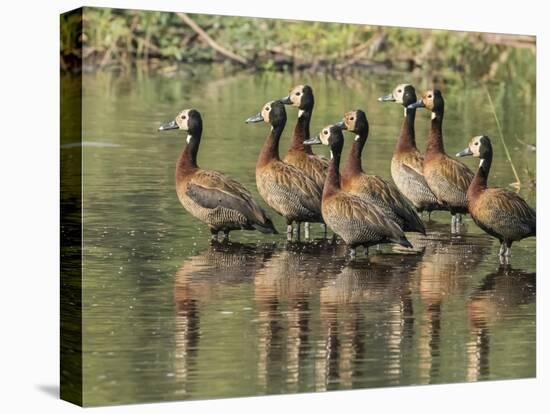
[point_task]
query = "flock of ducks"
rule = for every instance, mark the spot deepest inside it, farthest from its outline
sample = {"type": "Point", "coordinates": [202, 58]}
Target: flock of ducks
{"type": "Point", "coordinates": [362, 209]}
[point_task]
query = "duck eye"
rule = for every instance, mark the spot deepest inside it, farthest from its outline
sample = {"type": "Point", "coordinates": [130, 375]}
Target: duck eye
{"type": "Point", "coordinates": [267, 108]}
{"type": "Point", "coordinates": [430, 96]}
{"type": "Point", "coordinates": [183, 117]}
{"type": "Point", "coordinates": [297, 93]}
{"type": "Point", "coordinates": [399, 91]}
{"type": "Point", "coordinates": [352, 118]}
{"type": "Point", "coordinates": [325, 132]}
{"type": "Point", "coordinates": [477, 143]}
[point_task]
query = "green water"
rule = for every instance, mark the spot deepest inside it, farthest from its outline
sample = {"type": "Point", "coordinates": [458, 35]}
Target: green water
{"type": "Point", "coordinates": [169, 316]}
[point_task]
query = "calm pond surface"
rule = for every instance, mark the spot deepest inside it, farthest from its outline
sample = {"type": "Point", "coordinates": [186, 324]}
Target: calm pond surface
{"type": "Point", "coordinates": [168, 315]}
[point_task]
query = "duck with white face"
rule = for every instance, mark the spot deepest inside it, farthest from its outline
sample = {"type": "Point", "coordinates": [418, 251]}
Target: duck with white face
{"type": "Point", "coordinates": [447, 177]}
{"type": "Point", "coordinates": [214, 198]}
{"type": "Point", "coordinates": [285, 188]}
{"type": "Point", "coordinates": [498, 211]}
{"type": "Point", "coordinates": [355, 220]}
{"type": "Point", "coordinates": [298, 154]}
{"type": "Point", "coordinates": [407, 164]}
{"type": "Point", "coordinates": [373, 188]}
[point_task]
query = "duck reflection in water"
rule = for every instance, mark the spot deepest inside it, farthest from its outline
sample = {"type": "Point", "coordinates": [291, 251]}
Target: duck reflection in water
{"type": "Point", "coordinates": [284, 289]}
{"type": "Point", "coordinates": [441, 276]}
{"type": "Point", "coordinates": [361, 291]}
{"type": "Point", "coordinates": [202, 279]}
{"type": "Point", "coordinates": [497, 298]}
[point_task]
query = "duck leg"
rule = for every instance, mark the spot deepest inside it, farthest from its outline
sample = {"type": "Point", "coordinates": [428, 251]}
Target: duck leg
{"type": "Point", "coordinates": [213, 234]}
{"type": "Point", "coordinates": [508, 251]}
{"type": "Point", "coordinates": [367, 249]}
{"type": "Point", "coordinates": [289, 232]}
{"type": "Point", "coordinates": [455, 224]}
{"type": "Point", "coordinates": [226, 235]}
{"type": "Point", "coordinates": [352, 253]}
{"type": "Point", "coordinates": [460, 225]}
{"type": "Point", "coordinates": [297, 229]}
{"type": "Point", "coordinates": [502, 249]}
{"type": "Point", "coordinates": [324, 230]}
{"type": "Point", "coordinates": [306, 230]}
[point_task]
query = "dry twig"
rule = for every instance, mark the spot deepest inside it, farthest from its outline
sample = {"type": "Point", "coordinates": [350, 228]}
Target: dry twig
{"type": "Point", "coordinates": [211, 42]}
{"type": "Point", "coordinates": [517, 184]}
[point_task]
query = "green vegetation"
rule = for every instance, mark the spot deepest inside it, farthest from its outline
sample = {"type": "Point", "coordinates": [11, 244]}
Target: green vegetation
{"type": "Point", "coordinates": [122, 39]}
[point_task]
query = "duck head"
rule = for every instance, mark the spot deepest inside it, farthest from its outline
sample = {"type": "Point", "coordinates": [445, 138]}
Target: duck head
{"type": "Point", "coordinates": [479, 147]}
{"type": "Point", "coordinates": [330, 135]}
{"type": "Point", "coordinates": [356, 122]}
{"type": "Point", "coordinates": [403, 94]}
{"type": "Point", "coordinates": [431, 100]}
{"type": "Point", "coordinates": [187, 120]}
{"type": "Point", "coordinates": [300, 96]}
{"type": "Point", "coordinates": [273, 113]}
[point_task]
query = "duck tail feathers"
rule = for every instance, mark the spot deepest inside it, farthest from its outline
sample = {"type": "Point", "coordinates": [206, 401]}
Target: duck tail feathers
{"type": "Point", "coordinates": [266, 228]}
{"type": "Point", "coordinates": [402, 241]}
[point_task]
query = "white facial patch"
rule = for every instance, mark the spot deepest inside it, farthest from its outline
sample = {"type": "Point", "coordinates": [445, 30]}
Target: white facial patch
{"type": "Point", "coordinates": [189, 138]}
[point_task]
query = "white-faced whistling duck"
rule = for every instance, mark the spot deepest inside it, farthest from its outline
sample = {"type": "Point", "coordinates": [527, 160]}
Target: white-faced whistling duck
{"type": "Point", "coordinates": [356, 221]}
{"type": "Point", "coordinates": [298, 154]}
{"type": "Point", "coordinates": [371, 187]}
{"type": "Point", "coordinates": [285, 188]}
{"type": "Point", "coordinates": [407, 163]}
{"type": "Point", "coordinates": [212, 197]}
{"type": "Point", "coordinates": [499, 212]}
{"type": "Point", "coordinates": [448, 178]}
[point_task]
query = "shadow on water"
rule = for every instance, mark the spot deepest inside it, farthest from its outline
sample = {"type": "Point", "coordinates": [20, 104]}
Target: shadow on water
{"type": "Point", "coordinates": [379, 284]}
{"type": "Point", "coordinates": [283, 291]}
{"type": "Point", "coordinates": [440, 276]}
{"type": "Point", "coordinates": [202, 279]}
{"type": "Point", "coordinates": [323, 322]}
{"type": "Point", "coordinates": [498, 297]}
